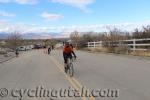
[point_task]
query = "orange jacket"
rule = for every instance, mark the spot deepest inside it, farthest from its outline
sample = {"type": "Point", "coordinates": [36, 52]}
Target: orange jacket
{"type": "Point", "coordinates": [67, 49]}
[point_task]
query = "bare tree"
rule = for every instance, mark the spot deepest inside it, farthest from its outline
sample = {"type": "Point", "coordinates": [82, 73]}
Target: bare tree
{"type": "Point", "coordinates": [136, 33]}
{"type": "Point", "coordinates": [14, 40]}
{"type": "Point", "coordinates": [144, 33]}
{"type": "Point", "coordinates": [75, 37]}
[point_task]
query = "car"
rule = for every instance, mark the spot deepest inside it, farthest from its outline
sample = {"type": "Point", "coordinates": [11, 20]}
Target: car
{"type": "Point", "coordinates": [21, 48]}
{"type": "Point", "coordinates": [28, 47]}
{"type": "Point", "coordinates": [38, 46]}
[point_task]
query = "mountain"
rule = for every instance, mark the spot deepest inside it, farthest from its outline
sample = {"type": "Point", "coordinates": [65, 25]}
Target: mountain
{"type": "Point", "coordinates": [4, 35]}
{"type": "Point", "coordinates": [40, 35]}
{"type": "Point", "coordinates": [33, 35]}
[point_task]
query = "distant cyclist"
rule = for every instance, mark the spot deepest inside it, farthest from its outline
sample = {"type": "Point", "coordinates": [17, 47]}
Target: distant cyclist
{"type": "Point", "coordinates": [17, 52]}
{"type": "Point", "coordinates": [49, 50]}
{"type": "Point", "coordinates": [67, 53]}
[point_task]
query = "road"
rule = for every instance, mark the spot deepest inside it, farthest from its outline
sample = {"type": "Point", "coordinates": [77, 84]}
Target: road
{"type": "Point", "coordinates": [129, 75]}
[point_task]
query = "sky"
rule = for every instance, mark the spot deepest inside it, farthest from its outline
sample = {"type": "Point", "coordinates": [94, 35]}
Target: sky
{"type": "Point", "coordinates": [64, 16]}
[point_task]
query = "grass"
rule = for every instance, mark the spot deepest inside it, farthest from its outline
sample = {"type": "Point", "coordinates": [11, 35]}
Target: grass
{"type": "Point", "coordinates": [117, 51]}
{"type": "Point", "coordinates": [141, 53]}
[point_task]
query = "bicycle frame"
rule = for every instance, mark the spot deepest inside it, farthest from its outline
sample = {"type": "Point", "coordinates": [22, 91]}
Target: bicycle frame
{"type": "Point", "coordinates": [70, 66]}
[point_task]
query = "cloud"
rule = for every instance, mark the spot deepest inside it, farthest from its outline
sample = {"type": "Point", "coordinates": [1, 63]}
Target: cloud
{"type": "Point", "coordinates": [26, 1]}
{"type": "Point", "coordinates": [20, 1]}
{"type": "Point", "coordinates": [50, 16]}
{"type": "Point", "coordinates": [6, 14]}
{"type": "Point", "coordinates": [82, 4]}
{"type": "Point", "coordinates": [3, 21]}
{"type": "Point", "coordinates": [64, 31]}
{"type": "Point", "coordinates": [5, 1]}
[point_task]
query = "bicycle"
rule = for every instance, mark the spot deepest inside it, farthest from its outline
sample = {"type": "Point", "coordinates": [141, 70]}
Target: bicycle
{"type": "Point", "coordinates": [70, 69]}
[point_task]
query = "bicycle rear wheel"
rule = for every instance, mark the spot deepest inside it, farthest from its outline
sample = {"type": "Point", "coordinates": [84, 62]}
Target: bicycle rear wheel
{"type": "Point", "coordinates": [71, 70]}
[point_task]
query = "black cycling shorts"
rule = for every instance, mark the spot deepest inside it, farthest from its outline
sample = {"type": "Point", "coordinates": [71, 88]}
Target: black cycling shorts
{"type": "Point", "coordinates": [66, 56]}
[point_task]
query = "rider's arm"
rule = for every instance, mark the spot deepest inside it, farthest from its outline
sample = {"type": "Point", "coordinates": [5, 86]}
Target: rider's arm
{"type": "Point", "coordinates": [72, 51]}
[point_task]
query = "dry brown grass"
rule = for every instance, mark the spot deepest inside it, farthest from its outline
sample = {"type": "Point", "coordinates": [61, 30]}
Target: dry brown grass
{"type": "Point", "coordinates": [117, 51]}
{"type": "Point", "coordinates": [97, 49]}
{"type": "Point", "coordinates": [141, 53]}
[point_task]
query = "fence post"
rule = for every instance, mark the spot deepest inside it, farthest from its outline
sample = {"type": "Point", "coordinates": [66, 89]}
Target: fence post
{"type": "Point", "coordinates": [88, 44]}
{"type": "Point", "coordinates": [94, 44]}
{"type": "Point", "coordinates": [134, 45]}
{"type": "Point", "coordinates": [100, 43]}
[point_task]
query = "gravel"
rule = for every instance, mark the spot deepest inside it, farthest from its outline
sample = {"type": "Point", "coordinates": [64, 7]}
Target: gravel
{"type": "Point", "coordinates": [6, 57]}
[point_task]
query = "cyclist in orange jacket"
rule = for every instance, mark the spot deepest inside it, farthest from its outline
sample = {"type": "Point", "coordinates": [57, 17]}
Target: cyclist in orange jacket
{"type": "Point", "coordinates": [67, 53]}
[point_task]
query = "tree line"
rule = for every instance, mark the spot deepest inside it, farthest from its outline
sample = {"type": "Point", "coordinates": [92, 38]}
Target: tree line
{"type": "Point", "coordinates": [15, 39]}
{"type": "Point", "coordinates": [81, 38]}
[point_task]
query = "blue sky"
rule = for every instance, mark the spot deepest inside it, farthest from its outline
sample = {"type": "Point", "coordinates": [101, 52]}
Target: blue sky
{"type": "Point", "coordinates": [69, 15]}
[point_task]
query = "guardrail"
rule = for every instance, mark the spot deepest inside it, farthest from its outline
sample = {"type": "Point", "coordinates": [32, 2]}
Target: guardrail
{"type": "Point", "coordinates": [133, 44]}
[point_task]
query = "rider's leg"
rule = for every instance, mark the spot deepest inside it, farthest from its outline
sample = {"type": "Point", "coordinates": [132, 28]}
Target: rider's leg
{"type": "Point", "coordinates": [65, 60]}
{"type": "Point", "coordinates": [70, 56]}
{"type": "Point", "coordinates": [65, 65]}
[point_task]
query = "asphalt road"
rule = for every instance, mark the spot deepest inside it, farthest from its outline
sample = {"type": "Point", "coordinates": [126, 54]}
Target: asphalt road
{"type": "Point", "coordinates": [129, 75]}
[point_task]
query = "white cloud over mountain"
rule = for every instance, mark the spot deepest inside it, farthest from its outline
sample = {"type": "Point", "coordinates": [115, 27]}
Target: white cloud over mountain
{"type": "Point", "coordinates": [64, 31]}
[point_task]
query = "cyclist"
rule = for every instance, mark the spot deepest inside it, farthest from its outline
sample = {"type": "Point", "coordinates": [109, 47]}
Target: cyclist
{"type": "Point", "coordinates": [49, 50]}
{"type": "Point", "coordinates": [67, 53]}
{"type": "Point", "coordinates": [17, 52]}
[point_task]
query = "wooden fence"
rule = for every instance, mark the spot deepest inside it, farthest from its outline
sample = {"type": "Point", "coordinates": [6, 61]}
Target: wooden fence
{"type": "Point", "coordinates": [133, 44]}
